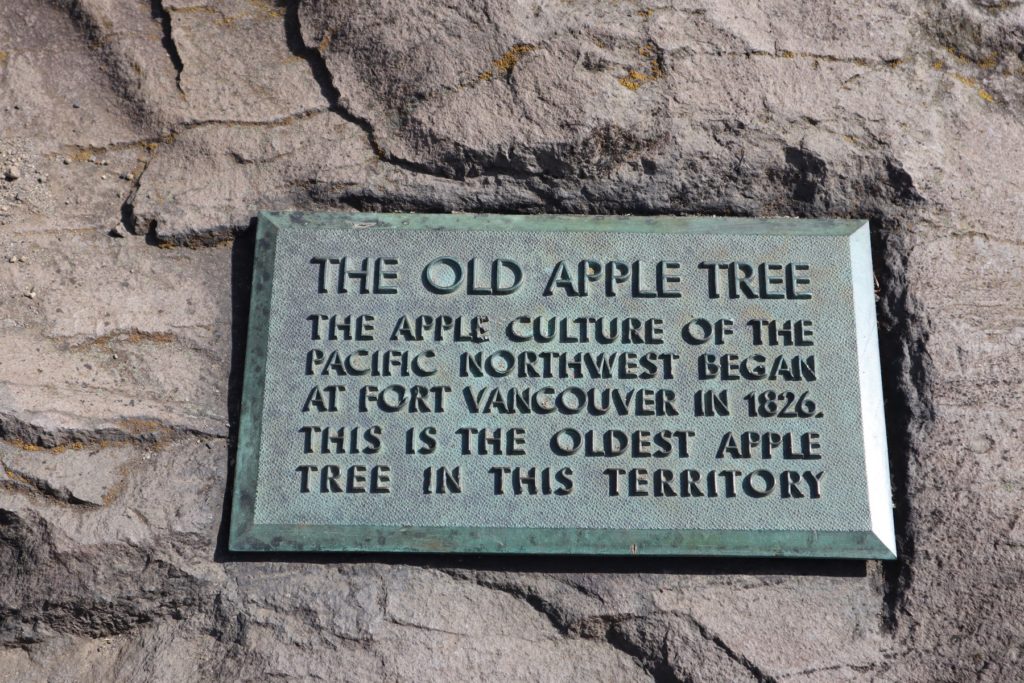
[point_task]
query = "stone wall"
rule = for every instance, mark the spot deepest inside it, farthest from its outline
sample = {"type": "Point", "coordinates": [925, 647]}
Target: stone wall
{"type": "Point", "coordinates": [138, 138]}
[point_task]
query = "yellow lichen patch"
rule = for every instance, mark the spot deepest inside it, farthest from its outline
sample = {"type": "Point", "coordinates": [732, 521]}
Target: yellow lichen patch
{"type": "Point", "coordinates": [633, 79]}
{"type": "Point", "coordinates": [512, 56]}
{"type": "Point", "coordinates": [507, 61]}
{"type": "Point", "coordinates": [25, 446]}
{"type": "Point", "coordinates": [195, 9]}
{"type": "Point", "coordinates": [137, 426]}
{"type": "Point", "coordinates": [136, 336]}
{"type": "Point", "coordinates": [325, 42]}
{"type": "Point", "coordinates": [15, 476]}
{"type": "Point", "coordinates": [33, 447]}
{"type": "Point", "coordinates": [938, 65]}
{"type": "Point", "coordinates": [155, 435]}
{"type": "Point", "coordinates": [987, 63]}
{"type": "Point", "coordinates": [199, 242]}
{"type": "Point", "coordinates": [956, 55]}
{"type": "Point", "coordinates": [272, 9]}
{"type": "Point", "coordinates": [645, 12]}
{"type": "Point", "coordinates": [971, 83]}
{"type": "Point", "coordinates": [4, 56]}
{"type": "Point", "coordinates": [131, 335]}
{"type": "Point", "coordinates": [652, 71]}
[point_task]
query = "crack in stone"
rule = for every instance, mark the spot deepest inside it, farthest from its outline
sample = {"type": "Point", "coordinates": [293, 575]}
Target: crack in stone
{"type": "Point", "coordinates": [859, 668]}
{"type": "Point", "coordinates": [822, 57]}
{"type": "Point", "coordinates": [978, 234]}
{"type": "Point", "coordinates": [740, 659]}
{"type": "Point", "coordinates": [129, 220]}
{"type": "Point", "coordinates": [146, 432]}
{"type": "Point", "coordinates": [159, 13]}
{"type": "Point", "coordinates": [657, 666]}
{"type": "Point", "coordinates": [601, 627]}
{"type": "Point", "coordinates": [172, 131]}
{"type": "Point", "coordinates": [242, 123]}
{"type": "Point", "coordinates": [23, 482]}
{"type": "Point", "coordinates": [322, 75]}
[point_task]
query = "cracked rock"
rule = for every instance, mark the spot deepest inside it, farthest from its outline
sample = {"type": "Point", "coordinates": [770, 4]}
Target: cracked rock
{"type": "Point", "coordinates": [119, 389]}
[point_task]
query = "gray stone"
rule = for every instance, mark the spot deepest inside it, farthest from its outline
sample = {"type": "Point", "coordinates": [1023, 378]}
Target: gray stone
{"type": "Point", "coordinates": [111, 514]}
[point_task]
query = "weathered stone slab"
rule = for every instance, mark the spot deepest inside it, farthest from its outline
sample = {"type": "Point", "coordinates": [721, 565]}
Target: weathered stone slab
{"type": "Point", "coordinates": [541, 384]}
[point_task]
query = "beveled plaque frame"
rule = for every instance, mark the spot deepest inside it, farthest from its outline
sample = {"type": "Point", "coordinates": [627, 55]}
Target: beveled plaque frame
{"type": "Point", "coordinates": [875, 542]}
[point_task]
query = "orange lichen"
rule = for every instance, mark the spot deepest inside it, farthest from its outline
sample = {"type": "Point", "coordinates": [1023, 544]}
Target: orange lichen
{"type": "Point", "coordinates": [139, 426]}
{"type": "Point", "coordinates": [652, 71]}
{"type": "Point", "coordinates": [971, 83]}
{"type": "Point", "coordinates": [269, 8]}
{"type": "Point", "coordinates": [987, 63]}
{"type": "Point", "coordinates": [34, 447]}
{"type": "Point", "coordinates": [507, 61]}
{"type": "Point", "coordinates": [131, 335]}
{"type": "Point", "coordinates": [633, 79]}
{"type": "Point", "coordinates": [15, 476]}
{"type": "Point", "coordinates": [25, 445]}
{"type": "Point", "coordinates": [325, 42]}
{"type": "Point", "coordinates": [196, 9]}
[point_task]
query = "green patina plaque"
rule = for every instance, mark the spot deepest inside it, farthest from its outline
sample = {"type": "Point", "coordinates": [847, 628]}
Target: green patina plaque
{"type": "Point", "coordinates": [562, 384]}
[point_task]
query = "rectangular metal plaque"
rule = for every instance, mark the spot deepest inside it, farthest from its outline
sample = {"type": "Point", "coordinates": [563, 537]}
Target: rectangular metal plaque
{"type": "Point", "coordinates": [562, 384]}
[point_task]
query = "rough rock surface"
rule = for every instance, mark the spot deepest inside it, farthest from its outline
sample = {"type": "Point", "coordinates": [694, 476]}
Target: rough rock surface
{"type": "Point", "coordinates": [147, 133]}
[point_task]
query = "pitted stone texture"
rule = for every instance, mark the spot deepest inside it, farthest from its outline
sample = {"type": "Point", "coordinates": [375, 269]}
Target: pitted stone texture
{"type": "Point", "coordinates": [259, 81]}
{"type": "Point", "coordinates": [179, 120]}
{"type": "Point", "coordinates": [564, 90]}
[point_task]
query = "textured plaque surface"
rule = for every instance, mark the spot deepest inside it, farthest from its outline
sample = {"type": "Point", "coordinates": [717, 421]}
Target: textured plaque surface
{"type": "Point", "coordinates": [570, 384]}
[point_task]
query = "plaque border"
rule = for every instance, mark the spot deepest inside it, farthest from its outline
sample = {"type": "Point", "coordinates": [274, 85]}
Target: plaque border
{"type": "Point", "coordinates": [876, 542]}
